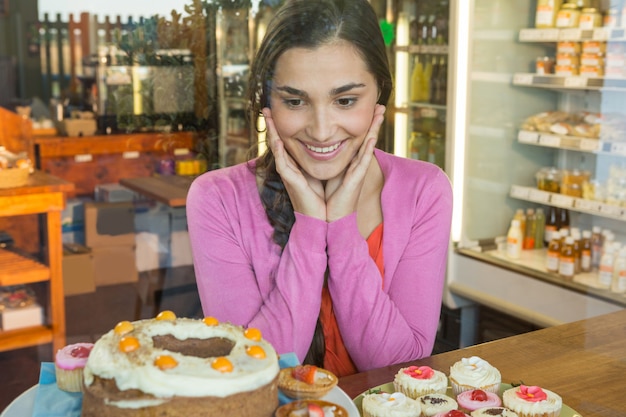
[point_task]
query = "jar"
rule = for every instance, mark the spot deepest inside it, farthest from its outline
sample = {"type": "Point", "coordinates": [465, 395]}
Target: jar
{"type": "Point", "coordinates": [611, 18]}
{"type": "Point", "coordinates": [568, 16]}
{"type": "Point", "coordinates": [545, 15]}
{"type": "Point", "coordinates": [549, 179]}
{"type": "Point", "coordinates": [567, 59]}
{"type": "Point", "coordinates": [593, 60]}
{"type": "Point", "coordinates": [590, 18]}
{"type": "Point", "coordinates": [544, 65]}
{"type": "Point", "coordinates": [592, 71]}
{"type": "Point", "coordinates": [568, 47]}
{"type": "Point", "coordinates": [566, 70]}
{"type": "Point", "coordinates": [594, 47]}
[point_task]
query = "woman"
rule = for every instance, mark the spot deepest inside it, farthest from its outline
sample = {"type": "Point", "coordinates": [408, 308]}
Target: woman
{"type": "Point", "coordinates": [335, 250]}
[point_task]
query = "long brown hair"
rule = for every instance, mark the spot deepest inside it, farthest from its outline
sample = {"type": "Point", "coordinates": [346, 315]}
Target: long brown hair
{"type": "Point", "coordinates": [309, 24]}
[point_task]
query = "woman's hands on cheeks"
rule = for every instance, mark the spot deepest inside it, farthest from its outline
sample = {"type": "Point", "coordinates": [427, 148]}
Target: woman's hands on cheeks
{"type": "Point", "coordinates": [342, 193]}
{"type": "Point", "coordinates": [306, 193]}
{"type": "Point", "coordinates": [339, 196]}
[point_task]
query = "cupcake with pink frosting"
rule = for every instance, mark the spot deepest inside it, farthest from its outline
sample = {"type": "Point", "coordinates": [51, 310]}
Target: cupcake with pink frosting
{"type": "Point", "coordinates": [69, 363]}
{"type": "Point", "coordinates": [472, 400]}
{"type": "Point", "coordinates": [415, 381]}
{"type": "Point", "coordinates": [532, 401]}
{"type": "Point", "coordinates": [452, 413]}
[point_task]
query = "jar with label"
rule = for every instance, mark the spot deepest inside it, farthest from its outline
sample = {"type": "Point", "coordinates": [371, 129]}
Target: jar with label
{"type": "Point", "coordinates": [591, 60]}
{"type": "Point", "coordinates": [611, 18]}
{"type": "Point", "coordinates": [590, 18]}
{"type": "Point", "coordinates": [566, 59]}
{"type": "Point", "coordinates": [567, 266]}
{"type": "Point", "coordinates": [545, 15]}
{"type": "Point", "coordinates": [568, 47]}
{"type": "Point", "coordinates": [554, 253]}
{"type": "Point", "coordinates": [593, 47]}
{"type": "Point", "coordinates": [566, 70]}
{"type": "Point", "coordinates": [568, 16]}
{"type": "Point", "coordinates": [544, 65]}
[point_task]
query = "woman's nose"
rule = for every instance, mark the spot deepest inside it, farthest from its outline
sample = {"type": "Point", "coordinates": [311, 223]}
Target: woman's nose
{"type": "Point", "coordinates": [320, 125]}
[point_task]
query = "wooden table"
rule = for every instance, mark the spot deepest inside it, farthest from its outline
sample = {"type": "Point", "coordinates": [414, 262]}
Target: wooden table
{"type": "Point", "coordinates": [167, 189]}
{"type": "Point", "coordinates": [583, 361]}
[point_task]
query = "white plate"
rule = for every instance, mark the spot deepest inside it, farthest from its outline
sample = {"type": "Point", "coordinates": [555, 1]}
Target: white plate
{"type": "Point", "coordinates": [338, 396]}
{"type": "Point", "coordinates": [22, 405]}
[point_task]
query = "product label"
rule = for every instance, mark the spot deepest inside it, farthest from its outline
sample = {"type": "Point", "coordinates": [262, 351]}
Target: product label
{"type": "Point", "coordinates": [605, 275]}
{"type": "Point", "coordinates": [566, 267]}
{"type": "Point", "coordinates": [552, 262]}
{"type": "Point", "coordinates": [544, 16]}
{"type": "Point", "coordinates": [585, 260]}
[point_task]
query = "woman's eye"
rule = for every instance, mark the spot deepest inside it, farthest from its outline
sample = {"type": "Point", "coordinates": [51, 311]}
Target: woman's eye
{"type": "Point", "coordinates": [293, 102]}
{"type": "Point", "coordinates": [346, 102]}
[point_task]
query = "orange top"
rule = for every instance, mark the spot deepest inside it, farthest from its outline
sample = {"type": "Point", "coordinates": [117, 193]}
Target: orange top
{"type": "Point", "coordinates": [337, 359]}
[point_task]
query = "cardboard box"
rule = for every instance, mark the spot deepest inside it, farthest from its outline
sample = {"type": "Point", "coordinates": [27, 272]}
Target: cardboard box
{"type": "Point", "coordinates": [152, 252]}
{"type": "Point", "coordinates": [114, 265]}
{"type": "Point", "coordinates": [17, 318]}
{"type": "Point", "coordinates": [109, 224]}
{"type": "Point", "coordinates": [114, 193]}
{"type": "Point", "coordinates": [78, 270]}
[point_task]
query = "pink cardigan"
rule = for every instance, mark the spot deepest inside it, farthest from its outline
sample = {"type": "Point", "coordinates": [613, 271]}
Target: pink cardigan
{"type": "Point", "coordinates": [243, 278]}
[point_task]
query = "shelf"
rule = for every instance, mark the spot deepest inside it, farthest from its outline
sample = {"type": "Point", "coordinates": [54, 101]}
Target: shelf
{"type": "Point", "coordinates": [423, 49]}
{"type": "Point", "coordinates": [532, 264]}
{"type": "Point", "coordinates": [16, 269]}
{"type": "Point", "coordinates": [573, 143]}
{"type": "Point", "coordinates": [561, 82]}
{"type": "Point", "coordinates": [576, 204]}
{"type": "Point", "coordinates": [28, 336]}
{"type": "Point", "coordinates": [575, 34]}
{"type": "Point", "coordinates": [420, 104]}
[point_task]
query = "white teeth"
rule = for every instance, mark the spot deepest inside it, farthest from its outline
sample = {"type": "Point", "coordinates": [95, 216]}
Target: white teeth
{"type": "Point", "coordinates": [323, 150]}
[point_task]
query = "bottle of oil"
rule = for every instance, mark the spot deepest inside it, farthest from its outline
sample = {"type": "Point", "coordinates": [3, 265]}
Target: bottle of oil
{"type": "Point", "coordinates": [575, 234]}
{"type": "Point", "coordinates": [417, 80]}
{"type": "Point", "coordinates": [585, 252]}
{"type": "Point", "coordinates": [540, 220]}
{"type": "Point", "coordinates": [554, 253]}
{"type": "Point", "coordinates": [531, 229]}
{"type": "Point", "coordinates": [567, 259]}
{"type": "Point", "coordinates": [552, 225]}
{"type": "Point", "coordinates": [596, 246]}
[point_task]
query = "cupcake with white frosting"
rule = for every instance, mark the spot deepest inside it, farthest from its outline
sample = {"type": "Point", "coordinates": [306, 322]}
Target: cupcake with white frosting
{"type": "Point", "coordinates": [493, 412]}
{"type": "Point", "coordinates": [532, 401]}
{"type": "Point", "coordinates": [474, 373]}
{"type": "Point", "coordinates": [383, 404]}
{"type": "Point", "coordinates": [416, 381]}
{"type": "Point", "coordinates": [432, 404]}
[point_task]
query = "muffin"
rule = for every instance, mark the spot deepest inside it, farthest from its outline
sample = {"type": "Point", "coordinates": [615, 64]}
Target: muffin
{"type": "Point", "coordinates": [532, 401]}
{"type": "Point", "coordinates": [311, 408]}
{"type": "Point", "coordinates": [415, 381]}
{"type": "Point", "coordinates": [432, 404]}
{"type": "Point", "coordinates": [452, 413]}
{"type": "Point", "coordinates": [477, 398]}
{"type": "Point", "coordinates": [306, 381]}
{"type": "Point", "coordinates": [68, 365]}
{"type": "Point", "coordinates": [493, 411]}
{"type": "Point", "coordinates": [383, 404]}
{"type": "Point", "coordinates": [474, 373]}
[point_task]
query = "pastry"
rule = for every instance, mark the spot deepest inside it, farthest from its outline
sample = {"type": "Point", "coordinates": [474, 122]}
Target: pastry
{"type": "Point", "coordinates": [493, 412]}
{"type": "Point", "coordinates": [532, 401]}
{"type": "Point", "coordinates": [306, 408]}
{"type": "Point", "coordinates": [384, 404]}
{"type": "Point", "coordinates": [474, 373]}
{"type": "Point", "coordinates": [432, 404]}
{"type": "Point", "coordinates": [68, 365]}
{"type": "Point", "coordinates": [477, 398]}
{"type": "Point", "coordinates": [306, 381]}
{"type": "Point", "coordinates": [416, 381]}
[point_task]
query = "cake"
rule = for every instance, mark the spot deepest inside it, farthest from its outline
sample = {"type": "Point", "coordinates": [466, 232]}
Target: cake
{"type": "Point", "coordinates": [384, 404]}
{"type": "Point", "coordinates": [474, 373]}
{"type": "Point", "coordinates": [532, 401]}
{"type": "Point", "coordinates": [306, 408]}
{"type": "Point", "coordinates": [416, 381]}
{"type": "Point", "coordinates": [180, 367]}
{"type": "Point", "coordinates": [69, 362]}
{"type": "Point", "coordinates": [432, 404]}
{"type": "Point", "coordinates": [451, 413]}
{"type": "Point", "coordinates": [493, 411]}
{"type": "Point", "coordinates": [306, 381]}
{"type": "Point", "coordinates": [477, 398]}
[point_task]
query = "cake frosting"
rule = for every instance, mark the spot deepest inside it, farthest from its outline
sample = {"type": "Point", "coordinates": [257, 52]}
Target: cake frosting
{"type": "Point", "coordinates": [385, 404]}
{"type": "Point", "coordinates": [432, 404]}
{"type": "Point", "coordinates": [475, 399]}
{"type": "Point", "coordinates": [416, 381]}
{"type": "Point", "coordinates": [451, 413]}
{"type": "Point", "coordinates": [493, 412]}
{"type": "Point", "coordinates": [474, 373]}
{"type": "Point", "coordinates": [532, 401]}
{"type": "Point", "coordinates": [73, 356]}
{"type": "Point", "coordinates": [148, 363]}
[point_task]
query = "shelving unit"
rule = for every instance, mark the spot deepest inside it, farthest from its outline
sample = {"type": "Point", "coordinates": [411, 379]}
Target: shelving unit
{"type": "Point", "coordinates": [44, 195]}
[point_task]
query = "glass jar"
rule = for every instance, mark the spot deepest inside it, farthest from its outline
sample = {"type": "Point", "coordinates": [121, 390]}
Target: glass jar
{"type": "Point", "coordinates": [568, 16]}
{"type": "Point", "coordinates": [590, 18]}
{"type": "Point", "coordinates": [549, 179]}
{"type": "Point", "coordinates": [611, 18]}
{"type": "Point", "coordinates": [544, 65]}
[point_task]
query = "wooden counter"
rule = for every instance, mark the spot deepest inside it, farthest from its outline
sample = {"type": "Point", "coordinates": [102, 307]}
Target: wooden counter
{"type": "Point", "coordinates": [91, 160]}
{"type": "Point", "coordinates": [167, 189]}
{"type": "Point", "coordinates": [584, 362]}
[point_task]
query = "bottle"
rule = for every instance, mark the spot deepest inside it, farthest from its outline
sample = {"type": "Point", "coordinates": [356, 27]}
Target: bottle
{"type": "Point", "coordinates": [436, 150]}
{"type": "Point", "coordinates": [575, 234]}
{"type": "Point", "coordinates": [554, 253]}
{"type": "Point", "coordinates": [519, 215]}
{"type": "Point", "coordinates": [596, 247]}
{"type": "Point", "coordinates": [567, 261]}
{"type": "Point", "coordinates": [417, 80]}
{"type": "Point", "coordinates": [618, 283]}
{"type": "Point", "coordinates": [418, 146]}
{"type": "Point", "coordinates": [441, 83]}
{"type": "Point", "coordinates": [605, 273]}
{"type": "Point", "coordinates": [531, 229]}
{"type": "Point", "coordinates": [428, 72]}
{"type": "Point", "coordinates": [514, 240]}
{"type": "Point", "coordinates": [540, 220]}
{"type": "Point", "coordinates": [434, 76]}
{"type": "Point", "coordinates": [562, 218]}
{"type": "Point", "coordinates": [552, 225]}
{"type": "Point", "coordinates": [545, 17]}
{"type": "Point", "coordinates": [586, 251]}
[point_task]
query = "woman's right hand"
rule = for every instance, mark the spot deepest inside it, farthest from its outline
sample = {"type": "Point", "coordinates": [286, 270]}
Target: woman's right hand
{"type": "Point", "coordinates": [306, 193]}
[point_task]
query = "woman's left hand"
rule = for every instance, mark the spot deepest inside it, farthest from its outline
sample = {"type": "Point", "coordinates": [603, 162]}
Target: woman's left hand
{"type": "Point", "coordinates": [342, 193]}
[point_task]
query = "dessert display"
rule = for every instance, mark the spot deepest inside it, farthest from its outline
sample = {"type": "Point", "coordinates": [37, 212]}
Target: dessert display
{"type": "Point", "coordinates": [475, 399]}
{"type": "Point", "coordinates": [493, 411]}
{"type": "Point", "coordinates": [383, 404]}
{"type": "Point", "coordinates": [311, 408]}
{"type": "Point", "coordinates": [532, 401]}
{"type": "Point", "coordinates": [474, 373]}
{"type": "Point", "coordinates": [416, 381]}
{"type": "Point", "coordinates": [306, 381]}
{"type": "Point", "coordinates": [181, 367]}
{"type": "Point", "coordinates": [68, 365]}
{"type": "Point", "coordinates": [432, 404]}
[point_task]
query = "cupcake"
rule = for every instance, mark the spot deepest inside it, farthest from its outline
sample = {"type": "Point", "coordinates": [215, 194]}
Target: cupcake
{"type": "Point", "coordinates": [532, 401]}
{"type": "Point", "coordinates": [416, 381]}
{"type": "Point", "coordinates": [432, 404]}
{"type": "Point", "coordinates": [452, 413]}
{"type": "Point", "coordinates": [477, 398]}
{"type": "Point", "coordinates": [383, 404]}
{"type": "Point", "coordinates": [69, 363]}
{"type": "Point", "coordinates": [493, 411]}
{"type": "Point", "coordinates": [311, 408]}
{"type": "Point", "coordinates": [306, 381]}
{"type": "Point", "coordinates": [474, 373]}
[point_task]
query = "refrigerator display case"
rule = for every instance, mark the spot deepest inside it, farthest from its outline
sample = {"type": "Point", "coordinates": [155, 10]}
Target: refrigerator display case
{"type": "Point", "coordinates": [493, 155]}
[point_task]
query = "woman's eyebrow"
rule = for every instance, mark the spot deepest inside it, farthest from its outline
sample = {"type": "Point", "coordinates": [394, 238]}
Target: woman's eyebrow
{"type": "Point", "coordinates": [292, 91]}
{"type": "Point", "coordinates": [333, 92]}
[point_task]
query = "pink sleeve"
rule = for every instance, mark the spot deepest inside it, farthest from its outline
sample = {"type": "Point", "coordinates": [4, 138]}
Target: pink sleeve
{"type": "Point", "coordinates": [383, 326]}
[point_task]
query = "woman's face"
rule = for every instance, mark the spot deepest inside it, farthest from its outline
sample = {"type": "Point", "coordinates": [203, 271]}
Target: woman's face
{"type": "Point", "coordinates": [322, 103]}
